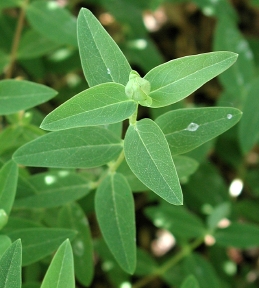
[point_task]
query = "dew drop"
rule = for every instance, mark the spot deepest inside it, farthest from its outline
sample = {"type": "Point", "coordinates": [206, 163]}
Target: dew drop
{"type": "Point", "coordinates": [229, 116]}
{"type": "Point", "coordinates": [108, 71]}
{"type": "Point", "coordinates": [192, 127]}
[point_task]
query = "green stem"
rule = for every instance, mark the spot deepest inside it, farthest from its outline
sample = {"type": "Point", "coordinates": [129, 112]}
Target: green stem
{"type": "Point", "coordinates": [133, 117]}
{"type": "Point", "coordinates": [113, 166]}
{"type": "Point", "coordinates": [16, 41]}
{"type": "Point", "coordinates": [170, 263]}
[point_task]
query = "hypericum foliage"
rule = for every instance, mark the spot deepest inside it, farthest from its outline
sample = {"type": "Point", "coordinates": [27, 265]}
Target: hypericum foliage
{"type": "Point", "coordinates": [146, 146]}
{"type": "Point", "coordinates": [94, 161]}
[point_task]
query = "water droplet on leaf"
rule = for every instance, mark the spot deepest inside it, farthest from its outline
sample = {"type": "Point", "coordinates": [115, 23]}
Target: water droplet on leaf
{"type": "Point", "coordinates": [108, 71]}
{"type": "Point", "coordinates": [229, 116]}
{"type": "Point", "coordinates": [192, 127]}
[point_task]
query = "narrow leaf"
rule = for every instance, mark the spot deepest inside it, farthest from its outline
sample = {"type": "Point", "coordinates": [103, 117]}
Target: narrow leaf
{"type": "Point", "coordinates": [72, 216]}
{"type": "Point", "coordinates": [220, 212]}
{"type": "Point", "coordinates": [227, 36]}
{"type": "Point", "coordinates": [34, 44]}
{"type": "Point", "coordinates": [186, 129]}
{"type": "Point", "coordinates": [202, 270]}
{"type": "Point", "coordinates": [177, 220]}
{"type": "Point", "coordinates": [101, 58]}
{"type": "Point", "coordinates": [39, 242]}
{"type": "Point", "coordinates": [238, 235]}
{"type": "Point", "coordinates": [8, 184]}
{"type": "Point", "coordinates": [60, 273]}
{"type": "Point", "coordinates": [115, 214]}
{"type": "Point", "coordinates": [190, 282]}
{"type": "Point", "coordinates": [185, 166]}
{"type": "Point", "coordinates": [103, 104]}
{"type": "Point", "coordinates": [16, 95]}
{"type": "Point", "coordinates": [148, 156]}
{"type": "Point", "coordinates": [248, 128]}
{"type": "Point", "coordinates": [177, 79]}
{"type": "Point", "coordinates": [10, 266]}
{"type": "Point", "coordinates": [52, 21]}
{"type": "Point", "coordinates": [5, 242]}
{"type": "Point", "coordinates": [54, 189]}
{"type": "Point", "coordinates": [74, 148]}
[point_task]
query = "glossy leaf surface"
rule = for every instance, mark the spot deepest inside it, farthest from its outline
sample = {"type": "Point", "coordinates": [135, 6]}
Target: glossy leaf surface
{"type": "Point", "coordinates": [100, 105]}
{"type": "Point", "coordinates": [101, 58]}
{"type": "Point", "coordinates": [16, 95]}
{"type": "Point", "coordinates": [52, 21]}
{"type": "Point", "coordinates": [10, 266]}
{"type": "Point", "coordinates": [53, 189]}
{"type": "Point", "coordinates": [8, 183]}
{"type": "Point", "coordinates": [177, 79]}
{"type": "Point", "coordinates": [73, 148]}
{"type": "Point", "coordinates": [60, 273]}
{"type": "Point", "coordinates": [72, 216]}
{"type": "Point", "coordinates": [39, 242]}
{"type": "Point", "coordinates": [115, 214]}
{"type": "Point", "coordinates": [186, 129]}
{"type": "Point", "coordinates": [155, 167]}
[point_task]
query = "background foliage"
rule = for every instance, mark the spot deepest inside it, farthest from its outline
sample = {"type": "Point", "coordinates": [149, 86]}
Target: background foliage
{"type": "Point", "coordinates": [212, 240]}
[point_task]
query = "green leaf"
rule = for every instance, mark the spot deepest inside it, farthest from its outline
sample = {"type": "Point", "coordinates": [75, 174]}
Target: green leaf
{"type": "Point", "coordinates": [211, 186]}
{"type": "Point", "coordinates": [115, 274]}
{"type": "Point", "coordinates": [54, 189]}
{"type": "Point", "coordinates": [52, 21]}
{"type": "Point", "coordinates": [135, 184]}
{"type": "Point", "coordinates": [16, 95]}
{"type": "Point", "coordinates": [115, 214]}
{"type": "Point", "coordinates": [177, 79]}
{"type": "Point", "coordinates": [185, 166]}
{"type": "Point", "coordinates": [102, 104]}
{"type": "Point", "coordinates": [39, 242]}
{"type": "Point", "coordinates": [148, 156]}
{"type": "Point", "coordinates": [186, 129]}
{"type": "Point", "coordinates": [238, 235]}
{"type": "Point", "coordinates": [10, 266]}
{"type": "Point", "coordinates": [146, 265]}
{"type": "Point", "coordinates": [219, 212]}
{"type": "Point", "coordinates": [8, 184]}
{"type": "Point", "coordinates": [60, 273]}
{"type": "Point", "coordinates": [74, 148]}
{"type": "Point", "coordinates": [228, 37]}
{"type": "Point", "coordinates": [190, 282]}
{"type": "Point", "coordinates": [248, 128]}
{"type": "Point", "coordinates": [4, 60]}
{"type": "Point", "coordinates": [72, 216]}
{"type": "Point", "coordinates": [34, 44]}
{"type": "Point", "coordinates": [202, 270]}
{"type": "Point", "coordinates": [101, 58]}
{"type": "Point", "coordinates": [10, 3]}
{"type": "Point", "coordinates": [5, 242]}
{"type": "Point", "coordinates": [177, 220]}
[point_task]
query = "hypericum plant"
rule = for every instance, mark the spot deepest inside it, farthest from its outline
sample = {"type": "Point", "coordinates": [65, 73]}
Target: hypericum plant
{"type": "Point", "coordinates": [87, 132]}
